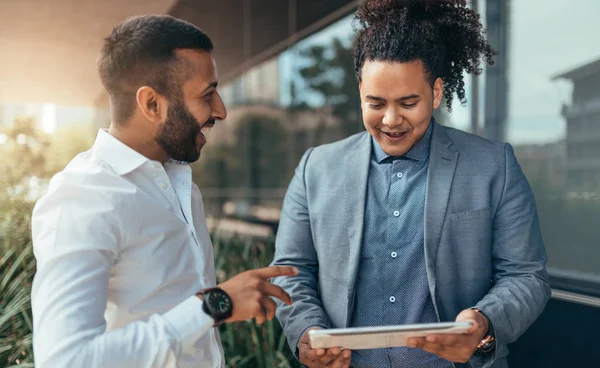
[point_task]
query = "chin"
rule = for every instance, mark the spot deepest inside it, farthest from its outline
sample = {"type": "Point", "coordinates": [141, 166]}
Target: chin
{"type": "Point", "coordinates": [189, 158]}
{"type": "Point", "coordinates": [194, 158]}
{"type": "Point", "coordinates": [394, 149]}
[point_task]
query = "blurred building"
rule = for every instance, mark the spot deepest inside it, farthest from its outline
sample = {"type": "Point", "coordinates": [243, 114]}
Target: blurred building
{"type": "Point", "coordinates": [583, 127]}
{"type": "Point", "coordinates": [48, 117]}
{"type": "Point", "coordinates": [544, 165]}
{"type": "Point", "coordinates": [10, 112]}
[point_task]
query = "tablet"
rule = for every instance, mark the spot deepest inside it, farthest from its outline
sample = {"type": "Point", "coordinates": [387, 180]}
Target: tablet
{"type": "Point", "coordinates": [380, 336]}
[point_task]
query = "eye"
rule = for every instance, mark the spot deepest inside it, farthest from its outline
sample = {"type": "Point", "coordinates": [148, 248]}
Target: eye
{"type": "Point", "coordinates": [408, 106]}
{"type": "Point", "coordinates": [208, 96]}
{"type": "Point", "coordinates": [375, 106]}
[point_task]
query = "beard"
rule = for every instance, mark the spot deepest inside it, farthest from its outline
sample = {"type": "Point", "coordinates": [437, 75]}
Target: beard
{"type": "Point", "coordinates": [178, 134]}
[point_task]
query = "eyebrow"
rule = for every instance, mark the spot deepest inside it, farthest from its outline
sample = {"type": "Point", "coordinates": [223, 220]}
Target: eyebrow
{"type": "Point", "coordinates": [400, 99]}
{"type": "Point", "coordinates": [212, 85]}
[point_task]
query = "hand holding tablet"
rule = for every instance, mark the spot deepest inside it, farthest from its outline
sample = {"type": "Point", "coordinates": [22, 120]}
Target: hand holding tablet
{"type": "Point", "coordinates": [380, 336]}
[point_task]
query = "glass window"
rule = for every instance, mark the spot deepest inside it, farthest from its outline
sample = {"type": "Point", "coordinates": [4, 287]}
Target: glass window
{"type": "Point", "coordinates": [554, 123]}
{"type": "Point", "coordinates": [541, 96]}
{"type": "Point", "coordinates": [304, 97]}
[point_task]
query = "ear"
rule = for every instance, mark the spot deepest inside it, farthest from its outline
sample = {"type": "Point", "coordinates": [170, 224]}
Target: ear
{"type": "Point", "coordinates": [438, 92]}
{"type": "Point", "coordinates": [360, 96]}
{"type": "Point", "coordinates": [152, 104]}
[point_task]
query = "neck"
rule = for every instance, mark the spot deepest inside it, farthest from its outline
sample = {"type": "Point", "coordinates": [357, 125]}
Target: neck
{"type": "Point", "coordinates": [143, 143]}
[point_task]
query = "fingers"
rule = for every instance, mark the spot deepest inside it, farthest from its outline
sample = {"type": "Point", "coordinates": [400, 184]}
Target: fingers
{"type": "Point", "coordinates": [276, 271]}
{"type": "Point", "coordinates": [333, 352]}
{"type": "Point", "coordinates": [434, 348]}
{"type": "Point", "coordinates": [259, 313]}
{"type": "Point", "coordinates": [330, 356]}
{"type": "Point", "coordinates": [250, 292]}
{"type": "Point", "coordinates": [269, 306]}
{"type": "Point", "coordinates": [456, 348]}
{"type": "Point", "coordinates": [449, 340]}
{"type": "Point", "coordinates": [274, 290]}
{"type": "Point", "coordinates": [342, 360]}
{"type": "Point", "coordinates": [311, 355]}
{"type": "Point", "coordinates": [347, 354]}
{"type": "Point", "coordinates": [429, 346]}
{"type": "Point", "coordinates": [415, 342]}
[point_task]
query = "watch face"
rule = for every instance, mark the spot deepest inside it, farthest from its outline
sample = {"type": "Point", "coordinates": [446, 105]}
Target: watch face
{"type": "Point", "coordinates": [219, 303]}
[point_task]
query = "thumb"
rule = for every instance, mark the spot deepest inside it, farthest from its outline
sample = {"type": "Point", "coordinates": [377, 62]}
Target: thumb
{"type": "Point", "coordinates": [469, 316]}
{"type": "Point", "coordinates": [304, 337]}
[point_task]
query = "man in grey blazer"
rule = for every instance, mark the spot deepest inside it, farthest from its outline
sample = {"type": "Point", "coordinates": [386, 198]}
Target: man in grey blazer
{"type": "Point", "coordinates": [411, 221]}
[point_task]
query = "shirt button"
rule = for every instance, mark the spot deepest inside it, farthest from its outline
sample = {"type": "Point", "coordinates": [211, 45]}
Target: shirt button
{"type": "Point", "coordinates": [394, 254]}
{"type": "Point", "coordinates": [399, 175]}
{"type": "Point", "coordinates": [396, 213]}
{"type": "Point", "coordinates": [392, 299]}
{"type": "Point", "coordinates": [165, 186]}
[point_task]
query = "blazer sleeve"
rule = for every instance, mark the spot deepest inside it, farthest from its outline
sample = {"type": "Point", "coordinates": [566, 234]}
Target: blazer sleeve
{"type": "Point", "coordinates": [294, 247]}
{"type": "Point", "coordinates": [520, 288]}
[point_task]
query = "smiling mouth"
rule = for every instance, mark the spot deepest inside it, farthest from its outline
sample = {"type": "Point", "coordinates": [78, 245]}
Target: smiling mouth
{"type": "Point", "coordinates": [395, 134]}
{"type": "Point", "coordinates": [206, 128]}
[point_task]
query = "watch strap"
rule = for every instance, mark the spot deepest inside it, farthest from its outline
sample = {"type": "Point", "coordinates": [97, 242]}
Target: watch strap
{"type": "Point", "coordinates": [488, 344]}
{"type": "Point", "coordinates": [205, 305]}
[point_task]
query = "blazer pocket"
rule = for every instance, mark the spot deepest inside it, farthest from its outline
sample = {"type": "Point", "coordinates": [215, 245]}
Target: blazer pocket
{"type": "Point", "coordinates": [469, 215]}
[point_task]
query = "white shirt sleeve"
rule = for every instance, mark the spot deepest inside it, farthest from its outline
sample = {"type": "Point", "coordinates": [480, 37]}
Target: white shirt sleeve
{"type": "Point", "coordinates": [76, 240]}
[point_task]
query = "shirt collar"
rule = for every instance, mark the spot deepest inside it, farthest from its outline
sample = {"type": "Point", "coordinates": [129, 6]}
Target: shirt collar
{"type": "Point", "coordinates": [420, 151]}
{"type": "Point", "coordinates": [122, 158]}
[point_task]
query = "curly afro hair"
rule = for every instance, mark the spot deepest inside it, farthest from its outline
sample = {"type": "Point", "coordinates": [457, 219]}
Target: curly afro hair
{"type": "Point", "coordinates": [444, 34]}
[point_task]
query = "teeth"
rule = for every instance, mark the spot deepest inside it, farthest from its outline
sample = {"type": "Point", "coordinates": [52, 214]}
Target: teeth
{"type": "Point", "coordinates": [206, 129]}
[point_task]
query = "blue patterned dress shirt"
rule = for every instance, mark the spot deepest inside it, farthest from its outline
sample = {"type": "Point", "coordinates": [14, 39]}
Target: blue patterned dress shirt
{"type": "Point", "coordinates": [391, 287]}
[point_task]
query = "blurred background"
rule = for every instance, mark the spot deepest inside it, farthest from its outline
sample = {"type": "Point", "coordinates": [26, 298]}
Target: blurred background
{"type": "Point", "coordinates": [287, 80]}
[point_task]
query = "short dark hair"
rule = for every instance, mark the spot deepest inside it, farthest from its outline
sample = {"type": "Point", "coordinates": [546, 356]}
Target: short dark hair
{"type": "Point", "coordinates": [444, 34]}
{"type": "Point", "coordinates": [141, 52]}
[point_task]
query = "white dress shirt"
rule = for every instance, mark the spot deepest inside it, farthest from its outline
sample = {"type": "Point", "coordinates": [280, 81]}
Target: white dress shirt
{"type": "Point", "coordinates": [122, 248]}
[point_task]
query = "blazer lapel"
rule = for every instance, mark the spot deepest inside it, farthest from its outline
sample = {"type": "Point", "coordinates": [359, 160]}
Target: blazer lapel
{"type": "Point", "coordinates": [355, 190]}
{"type": "Point", "coordinates": [442, 164]}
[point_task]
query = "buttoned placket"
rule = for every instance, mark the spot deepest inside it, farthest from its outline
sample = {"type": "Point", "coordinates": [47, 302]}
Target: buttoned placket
{"type": "Point", "coordinates": [166, 186]}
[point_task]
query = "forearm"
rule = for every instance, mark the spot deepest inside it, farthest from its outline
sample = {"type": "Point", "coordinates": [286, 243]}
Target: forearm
{"type": "Point", "coordinates": [514, 304]}
{"type": "Point", "coordinates": [156, 342]}
{"type": "Point", "coordinates": [69, 298]}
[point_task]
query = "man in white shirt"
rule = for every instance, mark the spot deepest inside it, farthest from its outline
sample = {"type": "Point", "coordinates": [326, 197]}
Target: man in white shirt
{"type": "Point", "coordinates": [125, 272]}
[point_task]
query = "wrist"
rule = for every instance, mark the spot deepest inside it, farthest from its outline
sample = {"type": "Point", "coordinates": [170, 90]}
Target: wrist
{"type": "Point", "coordinates": [216, 303]}
{"type": "Point", "coordinates": [483, 321]}
{"type": "Point", "coordinates": [487, 342]}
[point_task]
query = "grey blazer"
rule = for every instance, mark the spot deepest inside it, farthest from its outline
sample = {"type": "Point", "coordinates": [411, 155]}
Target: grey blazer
{"type": "Point", "coordinates": [483, 246]}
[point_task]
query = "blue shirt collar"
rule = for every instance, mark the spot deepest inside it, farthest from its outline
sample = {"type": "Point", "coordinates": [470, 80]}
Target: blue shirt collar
{"type": "Point", "coordinates": [420, 151]}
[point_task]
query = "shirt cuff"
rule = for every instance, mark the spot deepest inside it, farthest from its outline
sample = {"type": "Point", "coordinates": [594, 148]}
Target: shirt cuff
{"type": "Point", "coordinates": [189, 321]}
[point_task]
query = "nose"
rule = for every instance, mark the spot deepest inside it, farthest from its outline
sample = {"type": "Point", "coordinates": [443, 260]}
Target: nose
{"type": "Point", "coordinates": [219, 111]}
{"type": "Point", "coordinates": [391, 118]}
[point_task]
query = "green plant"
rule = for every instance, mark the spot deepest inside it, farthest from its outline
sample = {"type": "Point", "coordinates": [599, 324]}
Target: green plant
{"type": "Point", "coordinates": [17, 267]}
{"type": "Point", "coordinates": [246, 344]}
